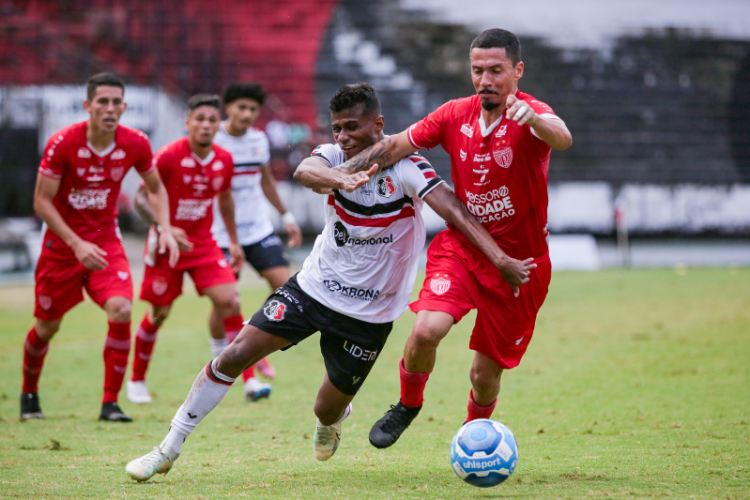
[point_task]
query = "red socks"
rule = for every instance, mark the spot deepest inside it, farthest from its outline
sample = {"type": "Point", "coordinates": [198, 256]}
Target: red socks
{"type": "Point", "coordinates": [34, 351]}
{"type": "Point", "coordinates": [232, 327]}
{"type": "Point", "coordinates": [476, 411]}
{"type": "Point", "coordinates": [412, 387]}
{"type": "Point", "coordinates": [116, 351]}
{"type": "Point", "coordinates": [145, 338]}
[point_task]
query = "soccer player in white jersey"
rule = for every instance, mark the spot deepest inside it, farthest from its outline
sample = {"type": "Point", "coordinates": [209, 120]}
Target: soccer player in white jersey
{"type": "Point", "coordinates": [252, 180]}
{"type": "Point", "coordinates": [356, 281]}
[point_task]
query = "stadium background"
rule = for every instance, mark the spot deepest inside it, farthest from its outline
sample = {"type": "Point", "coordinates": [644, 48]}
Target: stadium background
{"type": "Point", "coordinates": [658, 103]}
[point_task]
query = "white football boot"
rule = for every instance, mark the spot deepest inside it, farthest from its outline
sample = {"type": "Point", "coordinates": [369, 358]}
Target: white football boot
{"type": "Point", "coordinates": [328, 437]}
{"type": "Point", "coordinates": [255, 389]}
{"type": "Point", "coordinates": [156, 462]}
{"type": "Point", "coordinates": [138, 392]}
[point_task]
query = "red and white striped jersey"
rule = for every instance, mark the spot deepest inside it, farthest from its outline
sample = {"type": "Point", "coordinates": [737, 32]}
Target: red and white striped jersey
{"type": "Point", "coordinates": [364, 264]}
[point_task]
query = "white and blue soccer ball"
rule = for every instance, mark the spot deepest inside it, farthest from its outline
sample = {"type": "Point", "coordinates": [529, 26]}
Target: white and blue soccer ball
{"type": "Point", "coordinates": [484, 453]}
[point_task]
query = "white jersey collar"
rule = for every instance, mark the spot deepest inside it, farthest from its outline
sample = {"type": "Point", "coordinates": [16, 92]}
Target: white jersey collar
{"type": "Point", "coordinates": [208, 159]}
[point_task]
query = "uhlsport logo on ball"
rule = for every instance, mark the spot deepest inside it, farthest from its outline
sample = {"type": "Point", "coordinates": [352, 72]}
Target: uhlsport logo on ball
{"type": "Point", "coordinates": [484, 453]}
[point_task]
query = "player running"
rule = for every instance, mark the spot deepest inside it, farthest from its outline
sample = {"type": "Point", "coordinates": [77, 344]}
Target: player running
{"type": "Point", "coordinates": [499, 141]}
{"type": "Point", "coordinates": [252, 179]}
{"type": "Point", "coordinates": [356, 281]}
{"type": "Point", "coordinates": [195, 172]}
{"type": "Point", "coordinates": [76, 197]}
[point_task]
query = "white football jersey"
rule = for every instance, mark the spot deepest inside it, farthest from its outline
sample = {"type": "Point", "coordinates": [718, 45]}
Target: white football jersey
{"type": "Point", "coordinates": [250, 153]}
{"type": "Point", "coordinates": [364, 263]}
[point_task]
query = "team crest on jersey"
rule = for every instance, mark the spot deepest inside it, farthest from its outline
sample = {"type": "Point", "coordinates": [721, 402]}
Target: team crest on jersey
{"type": "Point", "coordinates": [467, 130]}
{"type": "Point", "coordinates": [116, 173]}
{"type": "Point", "coordinates": [81, 171]}
{"type": "Point", "coordinates": [187, 163]}
{"type": "Point", "coordinates": [45, 302]}
{"type": "Point", "coordinates": [187, 178]}
{"type": "Point", "coordinates": [385, 187]}
{"type": "Point", "coordinates": [440, 285]}
{"type": "Point", "coordinates": [84, 153]}
{"type": "Point", "coordinates": [501, 131]}
{"type": "Point", "coordinates": [218, 165]}
{"type": "Point", "coordinates": [118, 154]}
{"type": "Point", "coordinates": [159, 286]}
{"type": "Point", "coordinates": [503, 157]}
{"type": "Point", "coordinates": [217, 181]}
{"type": "Point", "coordinates": [275, 310]}
{"type": "Point", "coordinates": [340, 234]}
{"type": "Point", "coordinates": [463, 154]}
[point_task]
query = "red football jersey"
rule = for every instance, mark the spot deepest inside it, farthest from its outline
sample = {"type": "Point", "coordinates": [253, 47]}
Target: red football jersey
{"type": "Point", "coordinates": [499, 170]}
{"type": "Point", "coordinates": [90, 181]}
{"type": "Point", "coordinates": [192, 184]}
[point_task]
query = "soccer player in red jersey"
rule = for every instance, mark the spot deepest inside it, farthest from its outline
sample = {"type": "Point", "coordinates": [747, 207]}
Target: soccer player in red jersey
{"type": "Point", "coordinates": [76, 197]}
{"type": "Point", "coordinates": [194, 171]}
{"type": "Point", "coordinates": [499, 141]}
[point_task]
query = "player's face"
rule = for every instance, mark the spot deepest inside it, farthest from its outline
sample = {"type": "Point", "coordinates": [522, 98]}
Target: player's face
{"type": "Point", "coordinates": [494, 76]}
{"type": "Point", "coordinates": [354, 129]}
{"type": "Point", "coordinates": [202, 125]}
{"type": "Point", "coordinates": [106, 107]}
{"type": "Point", "coordinates": [243, 113]}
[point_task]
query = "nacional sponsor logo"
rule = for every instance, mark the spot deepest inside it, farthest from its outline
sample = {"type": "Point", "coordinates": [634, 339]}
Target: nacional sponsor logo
{"type": "Point", "coordinates": [123, 275]}
{"type": "Point", "coordinates": [159, 286]}
{"type": "Point", "coordinates": [439, 284]}
{"type": "Point", "coordinates": [84, 153]}
{"type": "Point", "coordinates": [274, 310]}
{"type": "Point", "coordinates": [385, 187]}
{"type": "Point", "coordinates": [350, 291]}
{"type": "Point", "coordinates": [116, 172]}
{"type": "Point", "coordinates": [360, 353]}
{"type": "Point", "coordinates": [45, 302]}
{"type": "Point", "coordinates": [463, 154]}
{"type": "Point", "coordinates": [218, 165]}
{"type": "Point", "coordinates": [482, 158]}
{"type": "Point", "coordinates": [192, 209]}
{"type": "Point", "coordinates": [503, 157]}
{"type": "Point", "coordinates": [501, 131]}
{"type": "Point", "coordinates": [491, 206]}
{"type": "Point", "coordinates": [187, 163]}
{"type": "Point", "coordinates": [217, 181]}
{"type": "Point", "coordinates": [88, 199]}
{"type": "Point", "coordinates": [467, 130]}
{"type": "Point", "coordinates": [118, 154]}
{"type": "Point", "coordinates": [341, 237]}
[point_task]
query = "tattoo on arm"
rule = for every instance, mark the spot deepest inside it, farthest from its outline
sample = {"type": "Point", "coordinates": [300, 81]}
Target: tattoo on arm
{"type": "Point", "coordinates": [377, 153]}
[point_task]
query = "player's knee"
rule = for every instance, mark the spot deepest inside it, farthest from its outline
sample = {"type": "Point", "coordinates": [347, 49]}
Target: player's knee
{"type": "Point", "coordinates": [119, 310]}
{"type": "Point", "coordinates": [229, 306]}
{"type": "Point", "coordinates": [47, 329]}
{"type": "Point", "coordinates": [233, 360]}
{"type": "Point", "coordinates": [425, 338]}
{"type": "Point", "coordinates": [160, 315]}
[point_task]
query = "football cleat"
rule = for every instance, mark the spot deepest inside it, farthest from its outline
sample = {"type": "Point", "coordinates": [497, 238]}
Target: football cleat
{"type": "Point", "coordinates": [30, 408]}
{"type": "Point", "coordinates": [388, 429]}
{"type": "Point", "coordinates": [156, 462]}
{"type": "Point", "coordinates": [255, 389]}
{"type": "Point", "coordinates": [111, 412]}
{"type": "Point", "coordinates": [265, 369]}
{"type": "Point", "coordinates": [327, 437]}
{"type": "Point", "coordinates": [138, 392]}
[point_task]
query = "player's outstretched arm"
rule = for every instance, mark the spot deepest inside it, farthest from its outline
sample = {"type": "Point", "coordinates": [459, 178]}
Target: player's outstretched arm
{"type": "Point", "coordinates": [268, 184]}
{"type": "Point", "coordinates": [445, 203]}
{"type": "Point", "coordinates": [550, 130]}
{"type": "Point", "coordinates": [88, 254]}
{"type": "Point", "coordinates": [159, 202]}
{"type": "Point", "coordinates": [386, 152]}
{"type": "Point", "coordinates": [226, 209]}
{"type": "Point", "coordinates": [315, 173]}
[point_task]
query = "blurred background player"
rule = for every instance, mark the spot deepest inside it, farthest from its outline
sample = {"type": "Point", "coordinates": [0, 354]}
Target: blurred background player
{"type": "Point", "coordinates": [356, 282]}
{"type": "Point", "coordinates": [194, 173]}
{"type": "Point", "coordinates": [252, 179]}
{"type": "Point", "coordinates": [499, 141]}
{"type": "Point", "coordinates": [76, 196]}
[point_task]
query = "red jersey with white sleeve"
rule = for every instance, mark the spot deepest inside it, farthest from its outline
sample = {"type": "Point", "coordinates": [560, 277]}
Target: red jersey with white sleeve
{"type": "Point", "coordinates": [499, 170]}
{"type": "Point", "coordinates": [192, 183]}
{"type": "Point", "coordinates": [90, 181]}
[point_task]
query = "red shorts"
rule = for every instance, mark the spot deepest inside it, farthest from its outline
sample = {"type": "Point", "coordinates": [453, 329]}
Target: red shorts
{"type": "Point", "coordinates": [163, 284]}
{"type": "Point", "coordinates": [460, 279]}
{"type": "Point", "coordinates": [60, 281]}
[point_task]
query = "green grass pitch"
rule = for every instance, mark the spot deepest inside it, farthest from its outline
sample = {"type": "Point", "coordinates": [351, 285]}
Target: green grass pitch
{"type": "Point", "coordinates": [636, 385]}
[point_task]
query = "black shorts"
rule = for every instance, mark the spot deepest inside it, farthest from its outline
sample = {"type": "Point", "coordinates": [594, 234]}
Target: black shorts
{"type": "Point", "coordinates": [349, 346]}
{"type": "Point", "coordinates": [267, 253]}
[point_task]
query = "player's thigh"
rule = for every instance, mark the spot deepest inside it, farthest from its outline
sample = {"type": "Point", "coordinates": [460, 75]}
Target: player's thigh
{"type": "Point", "coordinates": [251, 345]}
{"type": "Point", "coordinates": [114, 280]}
{"type": "Point", "coordinates": [350, 348]}
{"type": "Point", "coordinates": [276, 276]}
{"type": "Point", "coordinates": [214, 278]}
{"type": "Point", "coordinates": [58, 287]}
{"type": "Point", "coordinates": [161, 284]}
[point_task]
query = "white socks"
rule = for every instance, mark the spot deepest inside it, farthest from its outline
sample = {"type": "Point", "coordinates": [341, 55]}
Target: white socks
{"type": "Point", "coordinates": [347, 412]}
{"type": "Point", "coordinates": [218, 346]}
{"type": "Point", "coordinates": [208, 390]}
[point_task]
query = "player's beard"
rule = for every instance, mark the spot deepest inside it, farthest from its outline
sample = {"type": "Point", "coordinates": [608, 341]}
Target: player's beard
{"type": "Point", "coordinates": [205, 144]}
{"type": "Point", "coordinates": [489, 106]}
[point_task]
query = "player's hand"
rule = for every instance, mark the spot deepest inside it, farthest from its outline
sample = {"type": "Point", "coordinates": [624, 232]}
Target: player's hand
{"type": "Point", "coordinates": [322, 190]}
{"type": "Point", "coordinates": [516, 272]}
{"type": "Point", "coordinates": [352, 182]}
{"type": "Point", "coordinates": [295, 235]}
{"type": "Point", "coordinates": [519, 111]}
{"type": "Point", "coordinates": [168, 243]}
{"type": "Point", "coordinates": [182, 240]}
{"type": "Point", "coordinates": [236, 257]}
{"type": "Point", "coordinates": [90, 255]}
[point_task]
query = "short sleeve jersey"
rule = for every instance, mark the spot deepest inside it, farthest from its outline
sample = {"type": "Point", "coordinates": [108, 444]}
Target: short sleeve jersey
{"type": "Point", "coordinates": [250, 153]}
{"type": "Point", "coordinates": [499, 171]}
{"type": "Point", "coordinates": [364, 263]}
{"type": "Point", "coordinates": [90, 181]}
{"type": "Point", "coordinates": [192, 183]}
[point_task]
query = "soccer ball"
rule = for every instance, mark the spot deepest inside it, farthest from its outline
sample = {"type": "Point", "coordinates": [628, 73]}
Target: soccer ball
{"type": "Point", "coordinates": [484, 453]}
